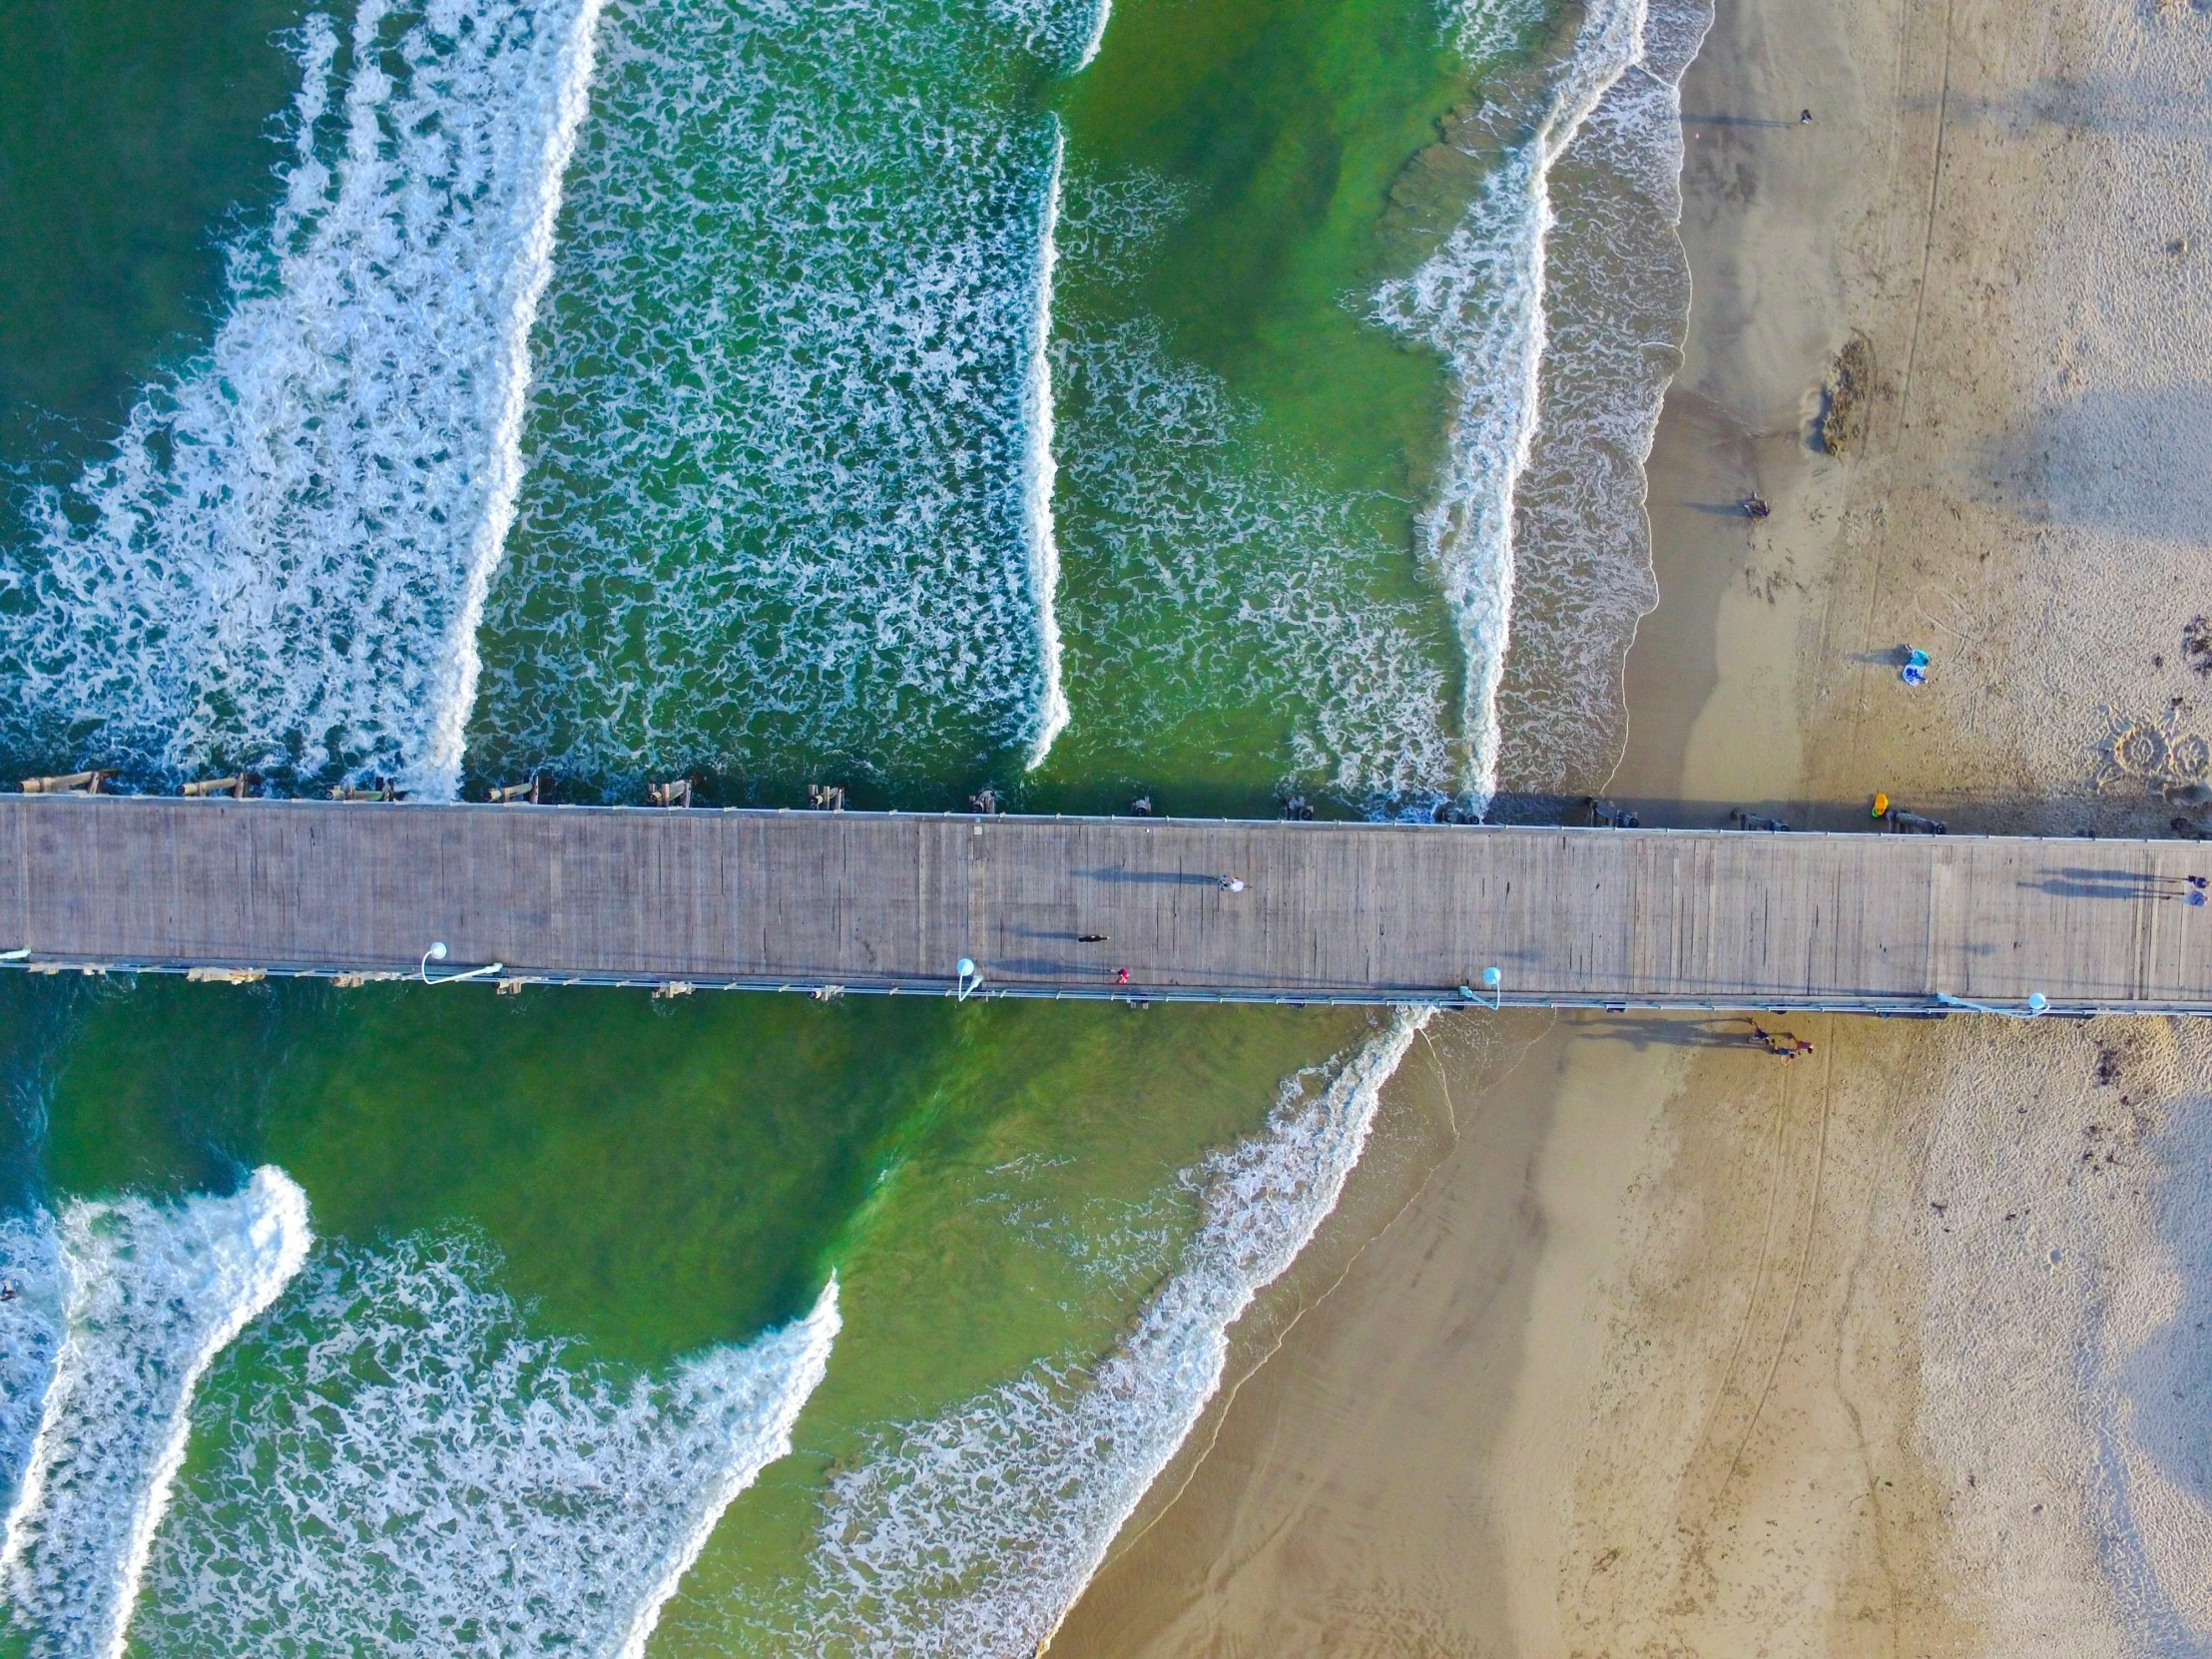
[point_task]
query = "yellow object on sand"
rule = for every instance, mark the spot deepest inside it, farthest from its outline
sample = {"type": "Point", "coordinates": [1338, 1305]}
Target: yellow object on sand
{"type": "Point", "coordinates": [1880, 803]}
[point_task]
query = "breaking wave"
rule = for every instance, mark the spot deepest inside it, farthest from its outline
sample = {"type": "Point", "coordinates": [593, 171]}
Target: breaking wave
{"type": "Point", "coordinates": [148, 1295]}
{"type": "Point", "coordinates": [279, 565]}
{"type": "Point", "coordinates": [1481, 301]}
{"type": "Point", "coordinates": [30, 1339]}
{"type": "Point", "coordinates": [1038, 471]}
{"type": "Point", "coordinates": [780, 481]}
{"type": "Point", "coordinates": [1619, 298]}
{"type": "Point", "coordinates": [1065, 33]}
{"type": "Point", "coordinates": [407, 1469]}
{"type": "Point", "coordinates": [973, 1532]}
{"type": "Point", "coordinates": [1210, 583]}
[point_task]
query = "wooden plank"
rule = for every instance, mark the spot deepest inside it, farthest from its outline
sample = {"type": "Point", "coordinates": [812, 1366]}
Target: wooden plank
{"type": "Point", "coordinates": [873, 900]}
{"type": "Point", "coordinates": [15, 883]}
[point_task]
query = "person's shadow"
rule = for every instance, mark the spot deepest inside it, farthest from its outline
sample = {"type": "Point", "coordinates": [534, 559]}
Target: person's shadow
{"type": "Point", "coordinates": [1642, 1031]}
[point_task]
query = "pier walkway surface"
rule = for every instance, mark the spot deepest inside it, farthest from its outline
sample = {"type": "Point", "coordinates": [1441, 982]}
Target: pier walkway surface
{"type": "Point", "coordinates": [865, 901]}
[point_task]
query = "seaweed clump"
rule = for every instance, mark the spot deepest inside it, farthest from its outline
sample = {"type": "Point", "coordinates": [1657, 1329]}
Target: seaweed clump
{"type": "Point", "coordinates": [1840, 427]}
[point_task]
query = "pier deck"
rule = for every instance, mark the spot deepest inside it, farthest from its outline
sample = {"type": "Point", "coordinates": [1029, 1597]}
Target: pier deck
{"type": "Point", "coordinates": [1332, 911]}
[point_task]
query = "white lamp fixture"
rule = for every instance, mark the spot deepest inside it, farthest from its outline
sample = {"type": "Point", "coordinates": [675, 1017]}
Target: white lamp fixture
{"type": "Point", "coordinates": [2036, 1004]}
{"type": "Point", "coordinates": [436, 953]}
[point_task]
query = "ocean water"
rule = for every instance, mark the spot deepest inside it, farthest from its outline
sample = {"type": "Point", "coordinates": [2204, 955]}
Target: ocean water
{"type": "Point", "coordinates": [1217, 401]}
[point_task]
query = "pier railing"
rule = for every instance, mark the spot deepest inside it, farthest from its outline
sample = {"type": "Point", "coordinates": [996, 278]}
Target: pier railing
{"type": "Point", "coordinates": [837, 902]}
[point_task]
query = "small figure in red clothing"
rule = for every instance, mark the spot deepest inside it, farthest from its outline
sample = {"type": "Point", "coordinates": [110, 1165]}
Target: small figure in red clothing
{"type": "Point", "coordinates": [1781, 1044]}
{"type": "Point", "coordinates": [1121, 977]}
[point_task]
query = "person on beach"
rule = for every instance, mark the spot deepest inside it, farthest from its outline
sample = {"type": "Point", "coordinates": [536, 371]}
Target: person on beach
{"type": "Point", "coordinates": [1779, 1043]}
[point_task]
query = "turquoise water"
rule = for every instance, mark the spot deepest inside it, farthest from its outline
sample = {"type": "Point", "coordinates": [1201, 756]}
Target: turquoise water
{"type": "Point", "coordinates": [914, 396]}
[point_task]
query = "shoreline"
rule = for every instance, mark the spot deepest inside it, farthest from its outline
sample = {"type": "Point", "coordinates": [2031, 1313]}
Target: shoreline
{"type": "Point", "coordinates": [1676, 1348]}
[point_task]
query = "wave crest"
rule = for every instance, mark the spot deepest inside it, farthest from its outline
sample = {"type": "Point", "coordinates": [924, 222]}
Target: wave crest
{"type": "Point", "coordinates": [412, 1469]}
{"type": "Point", "coordinates": [973, 1532]}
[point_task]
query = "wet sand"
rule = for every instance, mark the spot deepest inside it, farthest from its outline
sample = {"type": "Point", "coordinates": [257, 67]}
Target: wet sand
{"type": "Point", "coordinates": [1896, 1348]}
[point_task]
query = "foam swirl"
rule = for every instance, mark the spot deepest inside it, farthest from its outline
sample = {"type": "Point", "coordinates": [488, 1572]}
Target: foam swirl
{"type": "Point", "coordinates": [415, 1469]}
{"type": "Point", "coordinates": [151, 1294]}
{"type": "Point", "coordinates": [973, 1532]}
{"type": "Point", "coordinates": [1038, 471]}
{"type": "Point", "coordinates": [281, 563]}
{"type": "Point", "coordinates": [1481, 301]}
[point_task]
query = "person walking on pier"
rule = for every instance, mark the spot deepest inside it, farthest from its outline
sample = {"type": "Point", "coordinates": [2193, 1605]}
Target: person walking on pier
{"type": "Point", "coordinates": [1232, 883]}
{"type": "Point", "coordinates": [2190, 889]}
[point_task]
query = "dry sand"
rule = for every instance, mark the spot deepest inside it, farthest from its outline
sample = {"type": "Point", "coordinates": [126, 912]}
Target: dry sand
{"type": "Point", "coordinates": [1900, 1348]}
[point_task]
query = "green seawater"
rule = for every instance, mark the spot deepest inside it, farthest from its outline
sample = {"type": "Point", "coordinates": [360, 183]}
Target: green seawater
{"type": "Point", "coordinates": [655, 1176]}
{"type": "Point", "coordinates": [134, 140]}
{"type": "Point", "coordinates": [1240, 452]}
{"type": "Point", "coordinates": [1272, 136]}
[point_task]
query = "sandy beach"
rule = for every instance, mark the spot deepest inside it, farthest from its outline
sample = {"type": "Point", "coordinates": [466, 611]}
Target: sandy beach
{"type": "Point", "coordinates": [1648, 1343]}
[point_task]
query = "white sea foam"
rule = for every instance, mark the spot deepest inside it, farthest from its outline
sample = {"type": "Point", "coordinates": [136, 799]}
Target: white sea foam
{"type": "Point", "coordinates": [413, 1470]}
{"type": "Point", "coordinates": [1485, 29]}
{"type": "Point", "coordinates": [767, 1384]}
{"type": "Point", "coordinates": [1619, 297]}
{"type": "Point", "coordinates": [151, 1294]}
{"type": "Point", "coordinates": [30, 1337]}
{"type": "Point", "coordinates": [776, 499]}
{"type": "Point", "coordinates": [280, 564]}
{"type": "Point", "coordinates": [1066, 33]}
{"type": "Point", "coordinates": [1096, 39]}
{"type": "Point", "coordinates": [1216, 580]}
{"type": "Point", "coordinates": [971, 1534]}
{"type": "Point", "coordinates": [439, 769]}
{"type": "Point", "coordinates": [1037, 472]}
{"type": "Point", "coordinates": [1481, 301]}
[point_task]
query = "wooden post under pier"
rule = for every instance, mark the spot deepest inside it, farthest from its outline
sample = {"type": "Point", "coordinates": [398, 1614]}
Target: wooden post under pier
{"type": "Point", "coordinates": [70, 782]}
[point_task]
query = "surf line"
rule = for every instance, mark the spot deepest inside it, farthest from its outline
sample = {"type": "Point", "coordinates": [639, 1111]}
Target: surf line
{"type": "Point", "coordinates": [1039, 471]}
{"type": "Point", "coordinates": [1097, 36]}
{"type": "Point", "coordinates": [1481, 301]}
{"type": "Point", "coordinates": [791, 1362]}
{"type": "Point", "coordinates": [1086, 1443]}
{"type": "Point", "coordinates": [246, 1248]}
{"type": "Point", "coordinates": [1182, 1338]}
{"type": "Point", "coordinates": [463, 666]}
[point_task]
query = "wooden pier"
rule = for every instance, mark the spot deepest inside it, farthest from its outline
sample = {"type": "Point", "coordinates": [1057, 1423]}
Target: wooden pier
{"type": "Point", "coordinates": [865, 901]}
